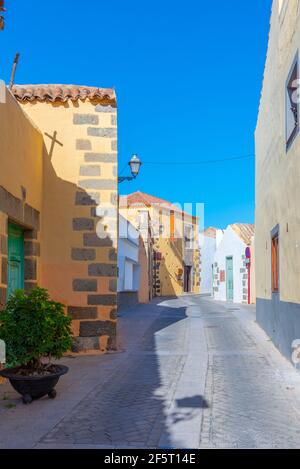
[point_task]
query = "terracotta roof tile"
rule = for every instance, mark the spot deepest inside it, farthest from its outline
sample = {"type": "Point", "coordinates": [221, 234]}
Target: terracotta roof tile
{"type": "Point", "coordinates": [245, 231]}
{"type": "Point", "coordinates": [63, 93]}
{"type": "Point", "coordinates": [210, 232]}
{"type": "Point", "coordinates": [141, 199]}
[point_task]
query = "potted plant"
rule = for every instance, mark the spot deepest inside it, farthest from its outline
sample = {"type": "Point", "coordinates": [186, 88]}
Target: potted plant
{"type": "Point", "coordinates": [35, 330]}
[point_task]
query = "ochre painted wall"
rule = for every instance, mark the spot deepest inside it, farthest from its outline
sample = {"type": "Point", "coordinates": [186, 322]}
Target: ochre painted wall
{"type": "Point", "coordinates": [146, 265]}
{"type": "Point", "coordinates": [21, 187]}
{"type": "Point", "coordinates": [278, 170]}
{"type": "Point", "coordinates": [145, 251]}
{"type": "Point", "coordinates": [80, 202]}
{"type": "Point", "coordinates": [64, 194]}
{"type": "Point", "coordinates": [169, 281]}
{"type": "Point", "coordinates": [21, 153]}
{"type": "Point", "coordinates": [171, 268]}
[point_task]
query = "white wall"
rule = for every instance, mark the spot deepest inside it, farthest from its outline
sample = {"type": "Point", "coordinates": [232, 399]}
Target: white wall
{"type": "Point", "coordinates": [128, 257]}
{"type": "Point", "coordinates": [208, 247]}
{"type": "Point", "coordinates": [207, 253]}
{"type": "Point", "coordinates": [128, 275]}
{"type": "Point", "coordinates": [219, 237]}
{"type": "Point", "coordinates": [231, 245]}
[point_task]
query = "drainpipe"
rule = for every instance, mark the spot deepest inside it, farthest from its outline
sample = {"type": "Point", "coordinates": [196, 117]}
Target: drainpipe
{"type": "Point", "coordinates": [248, 260]}
{"type": "Point", "coordinates": [249, 283]}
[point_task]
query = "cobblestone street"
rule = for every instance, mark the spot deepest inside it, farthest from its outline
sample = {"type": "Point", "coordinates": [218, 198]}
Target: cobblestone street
{"type": "Point", "coordinates": [191, 373]}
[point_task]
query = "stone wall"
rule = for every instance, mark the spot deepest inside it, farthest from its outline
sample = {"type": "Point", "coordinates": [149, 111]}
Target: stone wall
{"type": "Point", "coordinates": [206, 262]}
{"type": "Point", "coordinates": [79, 216]}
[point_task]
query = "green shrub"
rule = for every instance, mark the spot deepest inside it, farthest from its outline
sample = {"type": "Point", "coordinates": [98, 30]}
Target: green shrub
{"type": "Point", "coordinates": [34, 327]}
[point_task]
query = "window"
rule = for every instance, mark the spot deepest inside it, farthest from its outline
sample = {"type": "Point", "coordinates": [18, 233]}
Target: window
{"type": "Point", "coordinates": [161, 226]}
{"type": "Point", "coordinates": [188, 236]}
{"type": "Point", "coordinates": [275, 263]}
{"type": "Point", "coordinates": [144, 219]}
{"type": "Point", "coordinates": [292, 105]}
{"type": "Point", "coordinates": [172, 226]}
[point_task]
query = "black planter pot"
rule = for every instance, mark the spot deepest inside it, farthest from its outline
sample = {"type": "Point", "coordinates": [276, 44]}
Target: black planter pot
{"type": "Point", "coordinates": [34, 387]}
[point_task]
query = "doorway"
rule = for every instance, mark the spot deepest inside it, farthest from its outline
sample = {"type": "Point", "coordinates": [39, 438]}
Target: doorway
{"type": "Point", "coordinates": [229, 278]}
{"type": "Point", "coordinates": [187, 279]}
{"type": "Point", "coordinates": [15, 258]}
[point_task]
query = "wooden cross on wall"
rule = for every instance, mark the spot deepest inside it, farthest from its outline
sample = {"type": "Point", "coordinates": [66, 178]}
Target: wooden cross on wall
{"type": "Point", "coordinates": [54, 141]}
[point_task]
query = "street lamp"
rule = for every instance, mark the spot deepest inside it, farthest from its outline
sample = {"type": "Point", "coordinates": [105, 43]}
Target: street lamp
{"type": "Point", "coordinates": [135, 166]}
{"type": "Point", "coordinates": [1, 17]}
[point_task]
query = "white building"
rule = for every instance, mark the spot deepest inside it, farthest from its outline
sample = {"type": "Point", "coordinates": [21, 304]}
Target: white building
{"type": "Point", "coordinates": [209, 242]}
{"type": "Point", "coordinates": [232, 270]}
{"type": "Point", "coordinates": [128, 264]}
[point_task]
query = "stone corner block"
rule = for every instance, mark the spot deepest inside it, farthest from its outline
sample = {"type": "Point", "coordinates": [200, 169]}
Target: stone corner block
{"type": "Point", "coordinates": [85, 285]}
{"type": "Point", "coordinates": [83, 144]}
{"type": "Point", "coordinates": [102, 300]}
{"type": "Point", "coordinates": [81, 254]}
{"type": "Point", "coordinates": [102, 132]}
{"type": "Point", "coordinates": [83, 224]}
{"type": "Point", "coordinates": [98, 328]}
{"type": "Point", "coordinates": [103, 270]}
{"type": "Point", "coordinates": [83, 344]}
{"type": "Point", "coordinates": [85, 119]}
{"type": "Point", "coordinates": [103, 108]}
{"type": "Point", "coordinates": [82, 312]}
{"type": "Point", "coordinates": [30, 269]}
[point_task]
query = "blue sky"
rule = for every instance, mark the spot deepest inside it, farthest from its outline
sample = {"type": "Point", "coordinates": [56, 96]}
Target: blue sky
{"type": "Point", "coordinates": [188, 76]}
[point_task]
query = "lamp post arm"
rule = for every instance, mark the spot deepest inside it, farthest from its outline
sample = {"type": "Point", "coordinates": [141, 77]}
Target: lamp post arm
{"type": "Point", "coordinates": [125, 178]}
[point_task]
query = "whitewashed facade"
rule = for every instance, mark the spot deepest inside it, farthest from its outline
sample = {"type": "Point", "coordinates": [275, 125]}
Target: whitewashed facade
{"type": "Point", "coordinates": [209, 242]}
{"type": "Point", "coordinates": [230, 267]}
{"type": "Point", "coordinates": [128, 263]}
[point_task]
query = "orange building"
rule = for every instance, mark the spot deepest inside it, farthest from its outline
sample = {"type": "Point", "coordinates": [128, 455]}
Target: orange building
{"type": "Point", "coordinates": [174, 266]}
{"type": "Point", "coordinates": [58, 203]}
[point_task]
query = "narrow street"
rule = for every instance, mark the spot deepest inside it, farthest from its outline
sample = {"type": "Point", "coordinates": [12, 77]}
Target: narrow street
{"type": "Point", "coordinates": [191, 372]}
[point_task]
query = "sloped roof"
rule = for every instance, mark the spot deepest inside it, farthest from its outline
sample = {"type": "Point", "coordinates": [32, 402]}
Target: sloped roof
{"type": "Point", "coordinates": [245, 231]}
{"type": "Point", "coordinates": [63, 93]}
{"type": "Point", "coordinates": [210, 232]}
{"type": "Point", "coordinates": [141, 199]}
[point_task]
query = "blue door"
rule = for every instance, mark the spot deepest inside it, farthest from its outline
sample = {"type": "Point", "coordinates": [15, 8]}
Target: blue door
{"type": "Point", "coordinates": [229, 278]}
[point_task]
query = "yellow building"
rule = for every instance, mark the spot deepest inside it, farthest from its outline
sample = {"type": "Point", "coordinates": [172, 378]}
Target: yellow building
{"type": "Point", "coordinates": [58, 202]}
{"type": "Point", "coordinates": [175, 263]}
{"type": "Point", "coordinates": [277, 242]}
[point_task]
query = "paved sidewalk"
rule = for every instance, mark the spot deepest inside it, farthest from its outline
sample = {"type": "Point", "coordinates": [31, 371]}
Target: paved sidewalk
{"type": "Point", "coordinates": [190, 373]}
{"type": "Point", "coordinates": [252, 391]}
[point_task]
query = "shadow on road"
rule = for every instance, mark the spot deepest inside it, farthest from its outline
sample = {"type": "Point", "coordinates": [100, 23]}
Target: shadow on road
{"type": "Point", "coordinates": [129, 410]}
{"type": "Point", "coordinates": [196, 402]}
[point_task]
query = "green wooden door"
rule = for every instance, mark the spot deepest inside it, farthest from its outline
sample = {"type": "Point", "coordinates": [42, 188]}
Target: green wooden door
{"type": "Point", "coordinates": [15, 259]}
{"type": "Point", "coordinates": [229, 278]}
